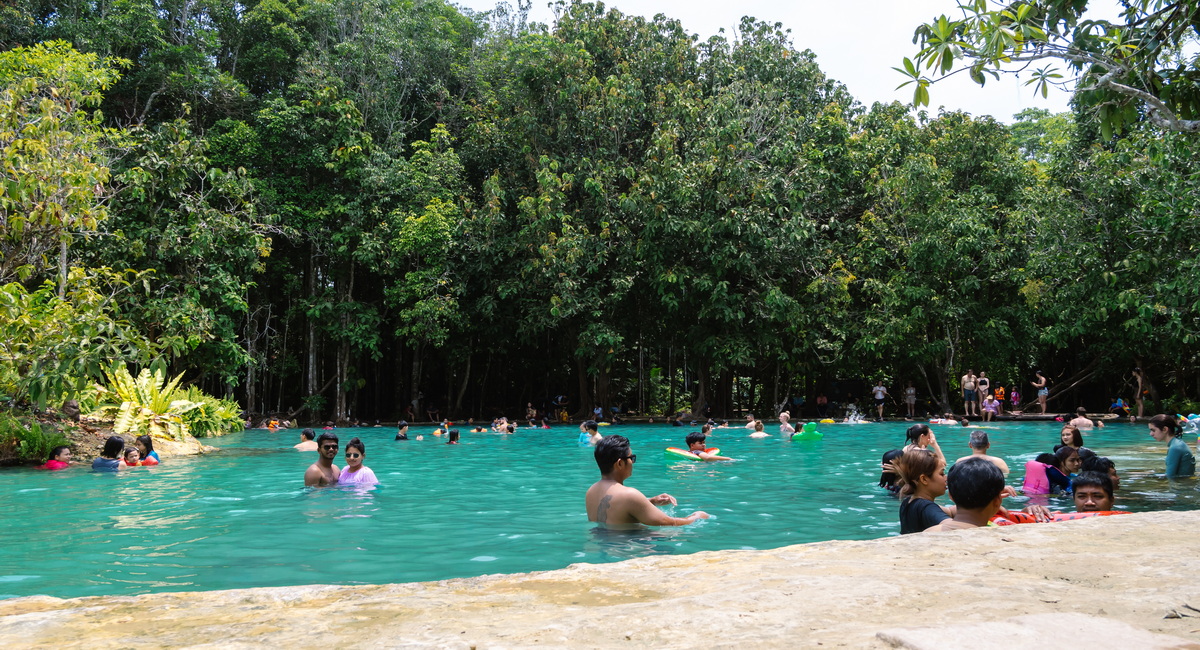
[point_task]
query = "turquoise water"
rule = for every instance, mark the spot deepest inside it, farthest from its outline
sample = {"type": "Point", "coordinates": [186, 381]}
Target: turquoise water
{"type": "Point", "coordinates": [494, 504]}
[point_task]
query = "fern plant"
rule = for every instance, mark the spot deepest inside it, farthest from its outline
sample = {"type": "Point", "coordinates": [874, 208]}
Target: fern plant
{"type": "Point", "coordinates": [213, 416]}
{"type": "Point", "coordinates": [147, 404]}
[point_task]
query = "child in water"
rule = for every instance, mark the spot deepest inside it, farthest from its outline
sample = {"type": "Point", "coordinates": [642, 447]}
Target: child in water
{"type": "Point", "coordinates": [922, 479]}
{"type": "Point", "coordinates": [131, 458]}
{"type": "Point", "coordinates": [145, 447]}
{"type": "Point", "coordinates": [695, 443]}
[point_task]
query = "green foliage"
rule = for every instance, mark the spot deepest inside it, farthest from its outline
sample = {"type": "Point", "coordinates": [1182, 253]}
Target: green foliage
{"type": "Point", "coordinates": [198, 232]}
{"type": "Point", "coordinates": [52, 346]}
{"type": "Point", "coordinates": [27, 440]}
{"type": "Point", "coordinates": [51, 172]}
{"type": "Point", "coordinates": [342, 205]}
{"type": "Point", "coordinates": [1142, 65]}
{"type": "Point", "coordinates": [145, 405]}
{"type": "Point", "coordinates": [212, 416]}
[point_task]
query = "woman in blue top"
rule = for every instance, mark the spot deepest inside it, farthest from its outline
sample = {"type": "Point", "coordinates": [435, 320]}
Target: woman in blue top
{"type": "Point", "coordinates": [110, 458]}
{"type": "Point", "coordinates": [145, 447]}
{"type": "Point", "coordinates": [1180, 461]}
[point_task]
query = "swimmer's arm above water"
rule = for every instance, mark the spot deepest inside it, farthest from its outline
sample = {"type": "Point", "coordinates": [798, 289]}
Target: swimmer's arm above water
{"type": "Point", "coordinates": [647, 514]}
{"type": "Point", "coordinates": [663, 499]}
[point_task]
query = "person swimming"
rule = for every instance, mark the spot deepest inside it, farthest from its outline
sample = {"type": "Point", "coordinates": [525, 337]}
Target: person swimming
{"type": "Point", "coordinates": [355, 472]}
{"type": "Point", "coordinates": [922, 479]}
{"type": "Point", "coordinates": [889, 479]}
{"type": "Point", "coordinates": [695, 444]}
{"type": "Point", "coordinates": [612, 504]}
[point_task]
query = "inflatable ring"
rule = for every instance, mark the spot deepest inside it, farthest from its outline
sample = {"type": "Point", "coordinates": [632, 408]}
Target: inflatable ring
{"type": "Point", "coordinates": [603, 424]}
{"type": "Point", "coordinates": [808, 432]}
{"type": "Point", "coordinates": [683, 453]}
{"type": "Point", "coordinates": [1014, 518]}
{"type": "Point", "coordinates": [827, 421]}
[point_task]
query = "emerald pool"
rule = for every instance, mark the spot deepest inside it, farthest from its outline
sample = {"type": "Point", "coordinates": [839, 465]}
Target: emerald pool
{"type": "Point", "coordinates": [494, 504]}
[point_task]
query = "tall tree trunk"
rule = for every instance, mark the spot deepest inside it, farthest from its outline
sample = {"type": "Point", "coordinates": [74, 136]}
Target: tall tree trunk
{"type": "Point", "coordinates": [462, 388]}
{"type": "Point", "coordinates": [641, 392]}
{"type": "Point", "coordinates": [603, 398]}
{"type": "Point", "coordinates": [585, 393]}
{"type": "Point", "coordinates": [340, 414]}
{"type": "Point", "coordinates": [670, 382]}
{"type": "Point", "coordinates": [287, 327]}
{"type": "Point", "coordinates": [414, 382]}
{"type": "Point", "coordinates": [701, 388]}
{"type": "Point", "coordinates": [310, 353]}
{"type": "Point", "coordinates": [62, 267]}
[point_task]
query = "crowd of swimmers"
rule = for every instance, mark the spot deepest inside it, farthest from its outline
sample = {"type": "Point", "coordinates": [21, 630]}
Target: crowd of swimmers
{"type": "Point", "coordinates": [116, 455]}
{"type": "Point", "coordinates": [976, 483]}
{"type": "Point", "coordinates": [916, 473]}
{"type": "Point", "coordinates": [325, 473]}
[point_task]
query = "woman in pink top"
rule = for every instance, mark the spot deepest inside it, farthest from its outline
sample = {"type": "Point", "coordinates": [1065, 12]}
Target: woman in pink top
{"type": "Point", "coordinates": [355, 473]}
{"type": "Point", "coordinates": [60, 458]}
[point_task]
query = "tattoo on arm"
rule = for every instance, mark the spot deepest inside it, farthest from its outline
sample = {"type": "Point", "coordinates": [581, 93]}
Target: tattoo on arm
{"type": "Point", "coordinates": [602, 509]}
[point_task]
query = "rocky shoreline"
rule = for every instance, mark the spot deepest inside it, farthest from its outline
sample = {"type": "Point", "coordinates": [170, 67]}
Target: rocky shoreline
{"type": "Point", "coordinates": [1118, 582]}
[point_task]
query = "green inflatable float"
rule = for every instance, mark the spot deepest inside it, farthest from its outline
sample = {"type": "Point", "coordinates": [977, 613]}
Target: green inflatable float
{"type": "Point", "coordinates": [808, 432]}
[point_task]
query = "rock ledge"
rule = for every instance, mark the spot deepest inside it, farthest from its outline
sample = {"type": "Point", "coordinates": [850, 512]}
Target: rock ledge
{"type": "Point", "coordinates": [1135, 573]}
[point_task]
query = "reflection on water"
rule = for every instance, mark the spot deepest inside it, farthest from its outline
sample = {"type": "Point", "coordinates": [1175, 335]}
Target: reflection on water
{"type": "Point", "coordinates": [495, 504]}
{"type": "Point", "coordinates": [613, 545]}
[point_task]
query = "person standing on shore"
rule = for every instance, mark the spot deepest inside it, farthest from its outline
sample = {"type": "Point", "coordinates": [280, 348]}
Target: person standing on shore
{"type": "Point", "coordinates": [1139, 396]}
{"type": "Point", "coordinates": [983, 387]}
{"type": "Point", "coordinates": [1040, 383]}
{"type": "Point", "coordinates": [970, 405]}
{"type": "Point", "coordinates": [910, 400]}
{"type": "Point", "coordinates": [880, 391]}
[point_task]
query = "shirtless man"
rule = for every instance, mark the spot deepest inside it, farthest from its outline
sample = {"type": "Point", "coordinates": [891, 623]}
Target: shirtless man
{"type": "Point", "coordinates": [306, 441]}
{"type": "Point", "coordinates": [592, 429]}
{"type": "Point", "coordinates": [1082, 421]}
{"type": "Point", "coordinates": [613, 505]}
{"type": "Point", "coordinates": [323, 473]}
{"type": "Point", "coordinates": [970, 403]}
{"type": "Point", "coordinates": [979, 447]}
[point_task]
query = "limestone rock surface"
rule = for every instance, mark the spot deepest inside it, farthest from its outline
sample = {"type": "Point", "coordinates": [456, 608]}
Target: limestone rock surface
{"type": "Point", "coordinates": [1136, 574]}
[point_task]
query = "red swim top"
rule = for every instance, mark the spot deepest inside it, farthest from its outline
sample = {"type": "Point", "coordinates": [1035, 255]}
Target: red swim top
{"type": "Point", "coordinates": [54, 464]}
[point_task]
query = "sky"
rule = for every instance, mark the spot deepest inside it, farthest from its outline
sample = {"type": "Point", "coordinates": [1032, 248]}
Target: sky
{"type": "Point", "coordinates": [856, 42]}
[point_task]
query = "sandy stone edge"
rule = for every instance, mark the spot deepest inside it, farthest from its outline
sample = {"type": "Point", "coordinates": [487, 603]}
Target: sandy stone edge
{"type": "Point", "coordinates": [1138, 569]}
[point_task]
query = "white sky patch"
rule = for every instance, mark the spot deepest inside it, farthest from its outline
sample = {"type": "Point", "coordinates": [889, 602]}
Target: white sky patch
{"type": "Point", "coordinates": [857, 42]}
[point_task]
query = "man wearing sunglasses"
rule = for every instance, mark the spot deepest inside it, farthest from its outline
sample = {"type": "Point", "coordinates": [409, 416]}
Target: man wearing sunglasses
{"type": "Point", "coordinates": [323, 473]}
{"type": "Point", "coordinates": [613, 505]}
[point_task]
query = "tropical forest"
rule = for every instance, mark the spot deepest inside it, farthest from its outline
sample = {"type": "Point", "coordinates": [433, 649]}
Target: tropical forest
{"type": "Point", "coordinates": [346, 210]}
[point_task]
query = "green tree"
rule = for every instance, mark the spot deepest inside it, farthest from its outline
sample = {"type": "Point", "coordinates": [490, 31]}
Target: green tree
{"type": "Point", "coordinates": [941, 249]}
{"type": "Point", "coordinates": [1142, 64]}
{"type": "Point", "coordinates": [52, 182]}
{"type": "Point", "coordinates": [55, 342]}
{"type": "Point", "coordinates": [198, 230]}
